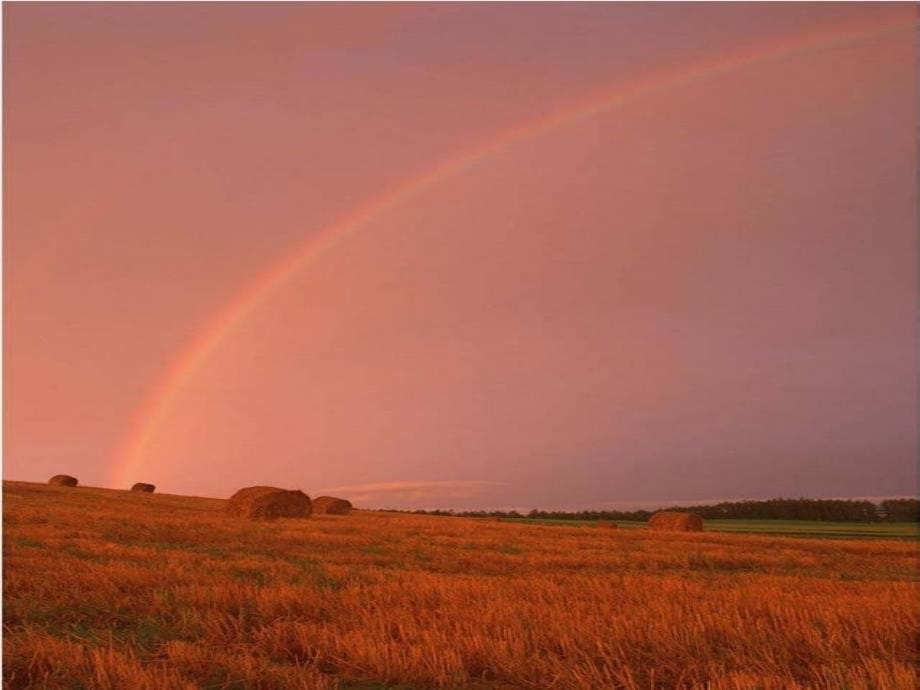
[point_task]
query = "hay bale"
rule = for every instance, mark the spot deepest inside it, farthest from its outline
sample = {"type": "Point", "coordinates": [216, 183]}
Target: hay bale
{"type": "Point", "coordinates": [676, 522]}
{"type": "Point", "coordinates": [268, 503]}
{"type": "Point", "coordinates": [331, 505]}
{"type": "Point", "coordinates": [62, 480]}
{"type": "Point", "coordinates": [144, 488]}
{"type": "Point", "coordinates": [604, 524]}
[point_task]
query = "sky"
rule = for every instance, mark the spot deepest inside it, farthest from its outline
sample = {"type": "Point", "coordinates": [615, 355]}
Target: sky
{"type": "Point", "coordinates": [462, 255]}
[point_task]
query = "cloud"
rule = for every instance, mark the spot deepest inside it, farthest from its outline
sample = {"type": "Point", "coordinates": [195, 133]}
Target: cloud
{"type": "Point", "coordinates": [416, 494]}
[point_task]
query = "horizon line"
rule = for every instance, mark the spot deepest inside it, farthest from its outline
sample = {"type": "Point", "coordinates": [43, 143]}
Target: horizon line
{"type": "Point", "coordinates": [593, 506]}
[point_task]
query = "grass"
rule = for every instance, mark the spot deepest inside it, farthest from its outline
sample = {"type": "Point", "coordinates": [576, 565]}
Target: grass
{"type": "Point", "coordinates": [814, 529]}
{"type": "Point", "coordinates": [110, 590]}
{"type": "Point", "coordinates": [811, 529]}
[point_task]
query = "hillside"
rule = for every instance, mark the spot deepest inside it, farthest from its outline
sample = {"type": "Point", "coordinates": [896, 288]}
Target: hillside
{"type": "Point", "coordinates": [112, 589]}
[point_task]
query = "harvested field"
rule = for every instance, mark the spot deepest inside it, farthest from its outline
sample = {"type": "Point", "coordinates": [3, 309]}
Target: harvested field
{"type": "Point", "coordinates": [173, 593]}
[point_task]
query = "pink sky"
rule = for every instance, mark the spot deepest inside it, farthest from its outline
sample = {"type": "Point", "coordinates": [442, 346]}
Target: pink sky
{"type": "Point", "coordinates": [708, 292]}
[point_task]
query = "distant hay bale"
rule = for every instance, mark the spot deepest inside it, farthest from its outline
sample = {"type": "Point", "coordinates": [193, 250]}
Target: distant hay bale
{"type": "Point", "coordinates": [268, 503]}
{"type": "Point", "coordinates": [676, 522]}
{"type": "Point", "coordinates": [331, 505]}
{"type": "Point", "coordinates": [144, 488]}
{"type": "Point", "coordinates": [604, 524]}
{"type": "Point", "coordinates": [62, 480]}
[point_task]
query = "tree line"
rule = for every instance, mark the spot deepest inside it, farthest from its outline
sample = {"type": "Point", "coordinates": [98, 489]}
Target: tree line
{"type": "Point", "coordinates": [823, 509]}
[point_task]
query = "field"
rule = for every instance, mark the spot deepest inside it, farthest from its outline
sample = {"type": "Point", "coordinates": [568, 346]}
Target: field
{"type": "Point", "coordinates": [794, 528]}
{"type": "Point", "coordinates": [114, 590]}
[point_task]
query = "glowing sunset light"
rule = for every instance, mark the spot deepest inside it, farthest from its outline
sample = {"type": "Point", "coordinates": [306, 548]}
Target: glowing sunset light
{"type": "Point", "coordinates": [418, 254]}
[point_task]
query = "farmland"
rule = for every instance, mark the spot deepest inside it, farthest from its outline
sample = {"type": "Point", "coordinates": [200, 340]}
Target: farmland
{"type": "Point", "coordinates": [812, 529]}
{"type": "Point", "coordinates": [112, 589]}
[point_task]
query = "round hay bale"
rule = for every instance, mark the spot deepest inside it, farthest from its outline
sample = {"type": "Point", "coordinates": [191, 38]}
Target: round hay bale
{"type": "Point", "coordinates": [144, 488]}
{"type": "Point", "coordinates": [676, 522]}
{"type": "Point", "coordinates": [604, 524]}
{"type": "Point", "coordinates": [331, 505]}
{"type": "Point", "coordinates": [62, 480]}
{"type": "Point", "coordinates": [268, 503]}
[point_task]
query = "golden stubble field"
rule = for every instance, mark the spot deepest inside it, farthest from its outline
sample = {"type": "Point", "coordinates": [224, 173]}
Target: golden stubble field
{"type": "Point", "coordinates": [109, 589]}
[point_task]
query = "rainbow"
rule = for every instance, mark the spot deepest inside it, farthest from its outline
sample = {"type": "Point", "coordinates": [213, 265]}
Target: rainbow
{"type": "Point", "coordinates": [196, 353]}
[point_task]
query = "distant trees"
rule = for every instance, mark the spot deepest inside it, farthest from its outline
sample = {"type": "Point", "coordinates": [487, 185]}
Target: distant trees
{"type": "Point", "coordinates": [834, 510]}
{"type": "Point", "coordinates": [901, 510]}
{"type": "Point", "coordinates": [628, 515]}
{"type": "Point", "coordinates": [823, 509]}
